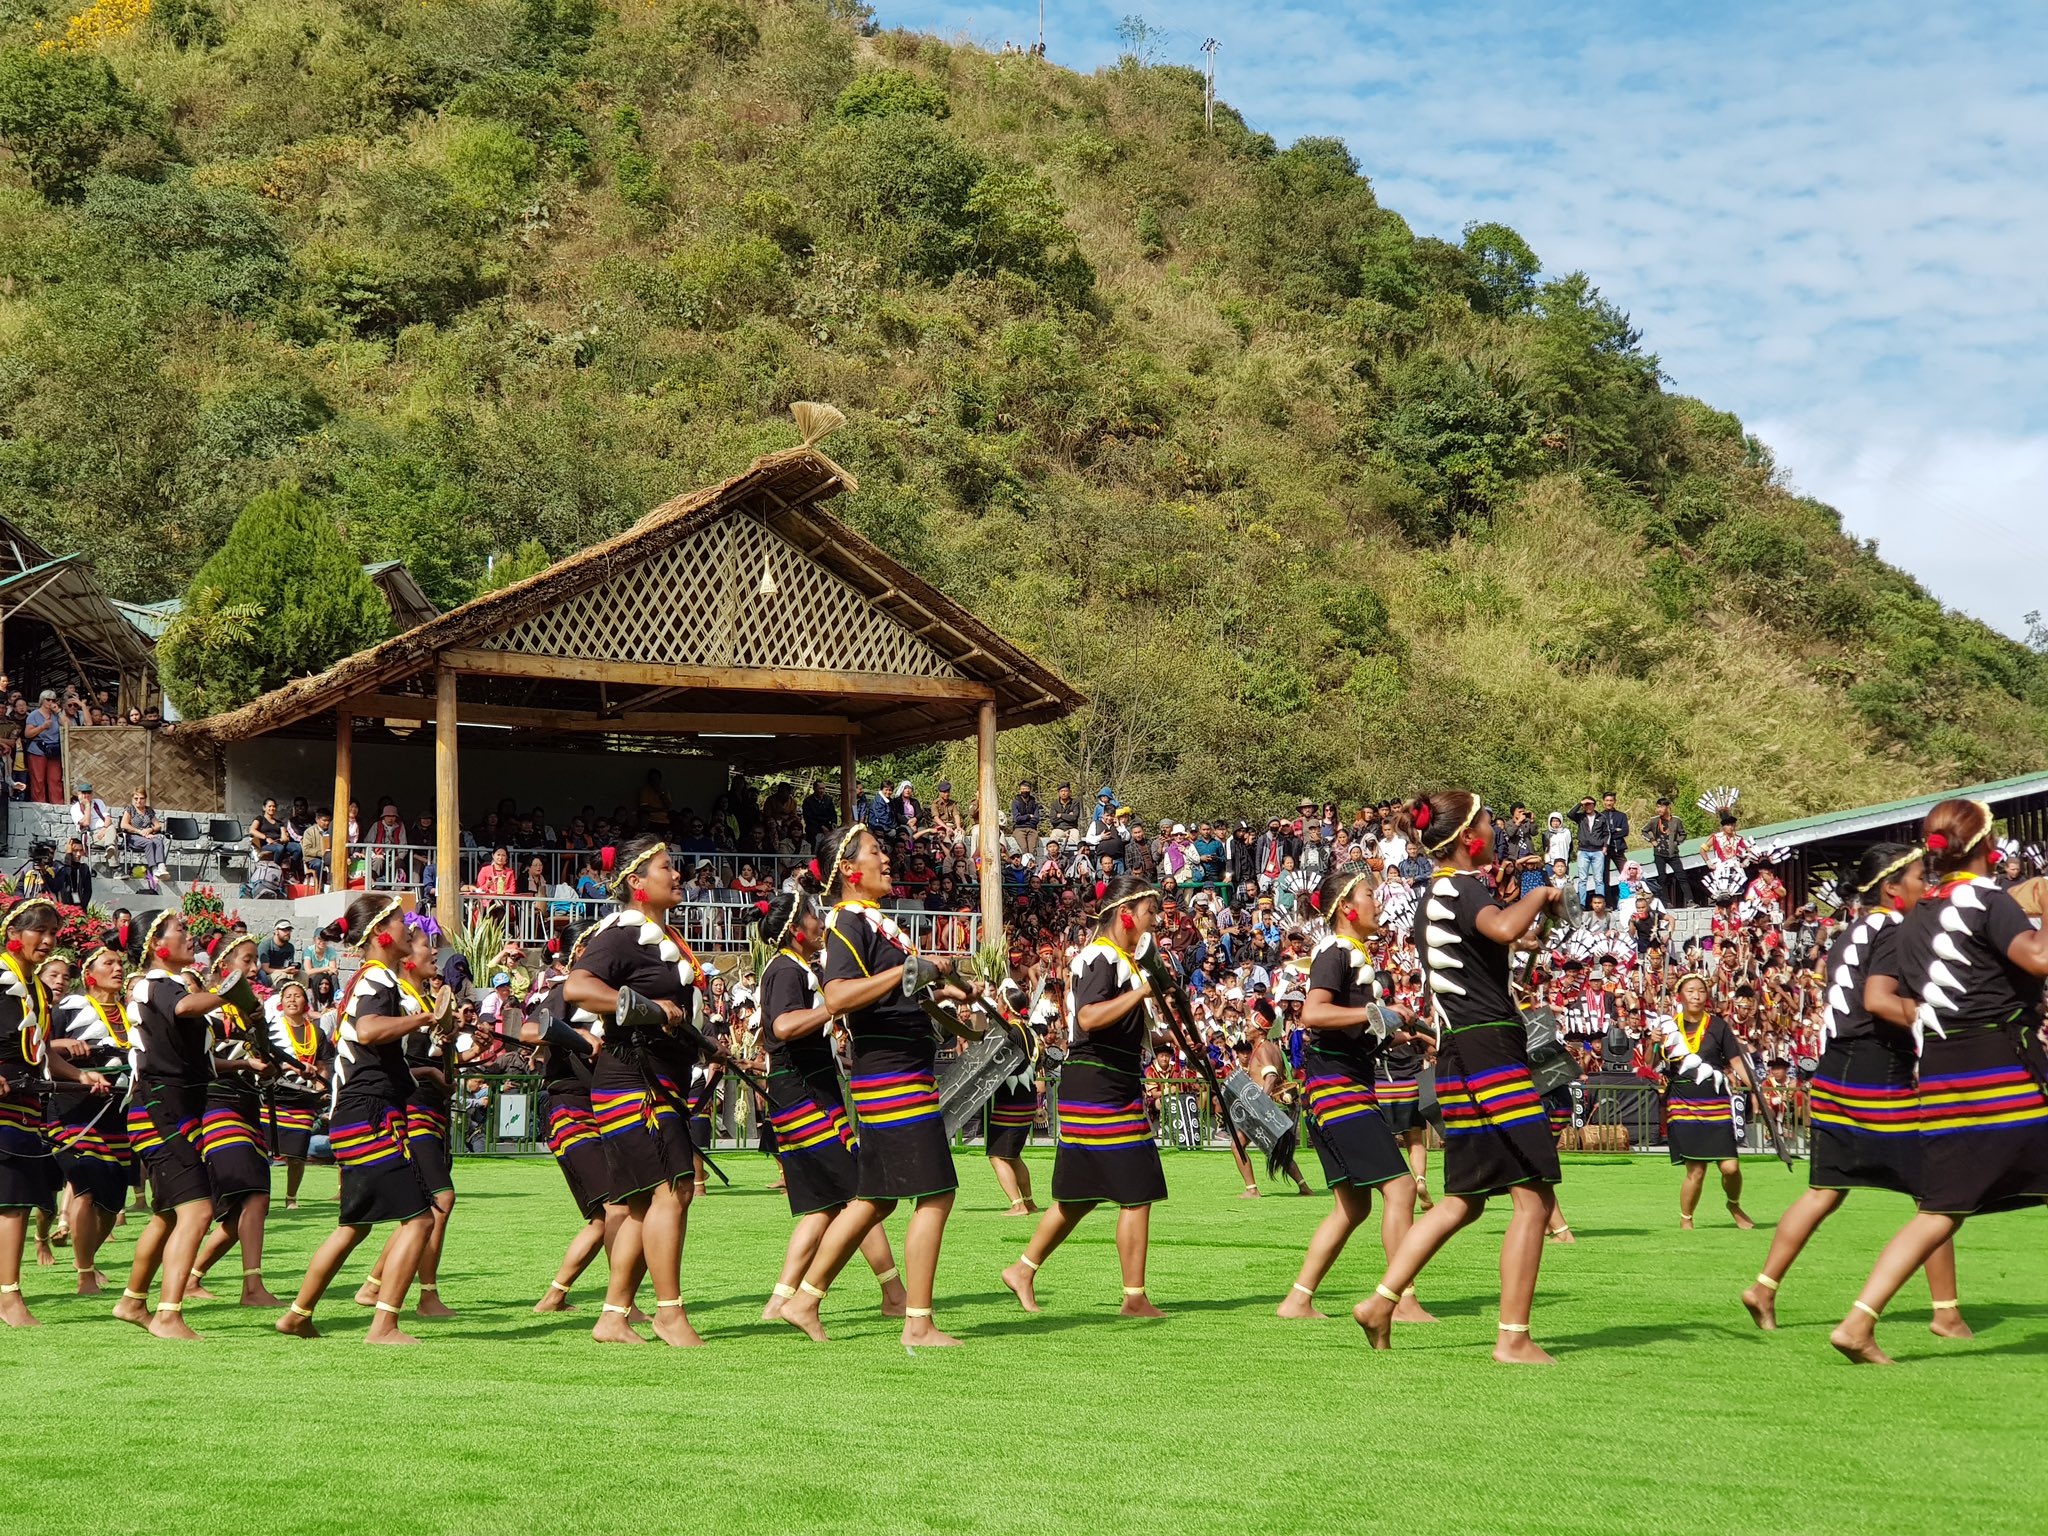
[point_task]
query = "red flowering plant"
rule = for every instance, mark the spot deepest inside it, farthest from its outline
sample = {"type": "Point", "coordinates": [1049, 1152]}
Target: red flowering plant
{"type": "Point", "coordinates": [80, 930]}
{"type": "Point", "coordinates": [206, 918]}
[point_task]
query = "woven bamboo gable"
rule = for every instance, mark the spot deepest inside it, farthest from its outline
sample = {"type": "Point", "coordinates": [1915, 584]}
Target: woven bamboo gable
{"type": "Point", "coordinates": [734, 594]}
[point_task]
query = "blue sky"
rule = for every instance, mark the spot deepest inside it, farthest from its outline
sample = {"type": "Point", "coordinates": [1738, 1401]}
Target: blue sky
{"type": "Point", "coordinates": [1831, 218]}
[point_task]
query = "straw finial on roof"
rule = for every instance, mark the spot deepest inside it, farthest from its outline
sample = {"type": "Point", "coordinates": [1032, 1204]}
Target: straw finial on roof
{"type": "Point", "coordinates": [816, 421]}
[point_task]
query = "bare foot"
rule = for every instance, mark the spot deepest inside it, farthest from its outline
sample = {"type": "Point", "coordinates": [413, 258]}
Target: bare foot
{"type": "Point", "coordinates": [1301, 1187]}
{"type": "Point", "coordinates": [895, 1300]}
{"type": "Point", "coordinates": [613, 1329]}
{"type": "Point", "coordinates": [1018, 1277]}
{"type": "Point", "coordinates": [923, 1333]}
{"type": "Point", "coordinates": [556, 1300]}
{"type": "Point", "coordinates": [1139, 1306]}
{"type": "Point", "coordinates": [294, 1326]}
{"type": "Point", "coordinates": [1519, 1349]}
{"type": "Point", "coordinates": [773, 1310]}
{"type": "Point", "coordinates": [129, 1310]}
{"type": "Point", "coordinates": [1251, 1192]}
{"type": "Point", "coordinates": [390, 1334]}
{"type": "Point", "coordinates": [1857, 1340]}
{"type": "Point", "coordinates": [801, 1313]}
{"type": "Point", "coordinates": [1563, 1235]}
{"type": "Point", "coordinates": [672, 1328]}
{"type": "Point", "coordinates": [1299, 1308]}
{"type": "Point", "coordinates": [89, 1283]}
{"type": "Point", "coordinates": [1423, 1202]}
{"type": "Point", "coordinates": [1021, 1208]}
{"type": "Point", "coordinates": [258, 1295]}
{"type": "Point", "coordinates": [1948, 1324]}
{"type": "Point", "coordinates": [636, 1317]}
{"type": "Point", "coordinates": [14, 1312]}
{"type": "Point", "coordinates": [1411, 1311]}
{"type": "Point", "coordinates": [196, 1291]}
{"type": "Point", "coordinates": [1685, 1223]}
{"type": "Point", "coordinates": [171, 1325]}
{"type": "Point", "coordinates": [366, 1294]}
{"type": "Point", "coordinates": [291, 1205]}
{"type": "Point", "coordinates": [430, 1304]}
{"type": "Point", "coordinates": [43, 1255]}
{"type": "Point", "coordinates": [1762, 1304]}
{"type": "Point", "coordinates": [1376, 1317]}
{"type": "Point", "coordinates": [1741, 1216]}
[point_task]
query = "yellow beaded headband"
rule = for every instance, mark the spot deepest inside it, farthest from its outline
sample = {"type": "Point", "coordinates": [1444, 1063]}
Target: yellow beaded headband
{"type": "Point", "coordinates": [839, 854]}
{"type": "Point", "coordinates": [155, 930]}
{"type": "Point", "coordinates": [1344, 891]}
{"type": "Point", "coordinates": [15, 912]}
{"type": "Point", "coordinates": [1470, 816]}
{"type": "Point", "coordinates": [640, 862]}
{"type": "Point", "coordinates": [1910, 857]}
{"type": "Point", "coordinates": [1130, 900]}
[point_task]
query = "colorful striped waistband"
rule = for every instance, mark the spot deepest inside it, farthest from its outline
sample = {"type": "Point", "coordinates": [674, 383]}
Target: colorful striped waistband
{"type": "Point", "coordinates": [1502, 1096]}
{"type": "Point", "coordinates": [1984, 1100]}
{"type": "Point", "coordinates": [220, 1129]}
{"type": "Point", "coordinates": [1013, 1114]}
{"type": "Point", "coordinates": [803, 1126]}
{"type": "Point", "coordinates": [421, 1120]}
{"type": "Point", "coordinates": [569, 1125]}
{"type": "Point", "coordinates": [1335, 1098]}
{"type": "Point", "coordinates": [1697, 1111]}
{"type": "Point", "coordinates": [362, 1144]}
{"type": "Point", "coordinates": [896, 1099]}
{"type": "Point", "coordinates": [1860, 1107]}
{"type": "Point", "coordinates": [1103, 1125]}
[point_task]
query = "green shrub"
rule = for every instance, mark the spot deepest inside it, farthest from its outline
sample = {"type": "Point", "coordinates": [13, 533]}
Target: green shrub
{"type": "Point", "coordinates": [60, 113]}
{"type": "Point", "coordinates": [286, 568]}
{"type": "Point", "coordinates": [216, 246]}
{"type": "Point", "coordinates": [188, 23]}
{"type": "Point", "coordinates": [886, 92]}
{"type": "Point", "coordinates": [718, 28]}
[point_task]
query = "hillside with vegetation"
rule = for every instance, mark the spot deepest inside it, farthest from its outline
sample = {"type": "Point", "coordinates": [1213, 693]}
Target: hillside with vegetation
{"type": "Point", "coordinates": [1307, 504]}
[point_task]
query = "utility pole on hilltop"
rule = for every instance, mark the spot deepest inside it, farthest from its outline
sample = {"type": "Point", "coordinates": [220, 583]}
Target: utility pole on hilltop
{"type": "Point", "coordinates": [1041, 28]}
{"type": "Point", "coordinates": [1209, 46]}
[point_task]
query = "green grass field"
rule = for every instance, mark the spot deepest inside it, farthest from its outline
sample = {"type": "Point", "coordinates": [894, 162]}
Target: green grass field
{"type": "Point", "coordinates": [1668, 1412]}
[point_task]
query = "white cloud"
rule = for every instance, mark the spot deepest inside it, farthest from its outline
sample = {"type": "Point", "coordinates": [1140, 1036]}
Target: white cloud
{"type": "Point", "coordinates": [1827, 218]}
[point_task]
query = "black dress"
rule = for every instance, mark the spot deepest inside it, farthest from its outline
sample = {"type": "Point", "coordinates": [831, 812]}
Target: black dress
{"type": "Point", "coordinates": [572, 1132]}
{"type": "Point", "coordinates": [1495, 1132]}
{"type": "Point", "coordinates": [173, 1068]}
{"type": "Point", "coordinates": [426, 1108]}
{"type": "Point", "coordinates": [1011, 1113]}
{"type": "Point", "coordinates": [637, 1083]}
{"type": "Point", "coordinates": [1399, 1089]}
{"type": "Point", "coordinates": [231, 1138]}
{"type": "Point", "coordinates": [1983, 1116]}
{"type": "Point", "coordinates": [1105, 1148]}
{"type": "Point", "coordinates": [812, 1142]}
{"type": "Point", "coordinates": [1699, 1118]}
{"type": "Point", "coordinates": [367, 1123]}
{"type": "Point", "coordinates": [1865, 1108]}
{"type": "Point", "coordinates": [89, 1128]}
{"type": "Point", "coordinates": [295, 1108]}
{"type": "Point", "coordinates": [1344, 1124]}
{"type": "Point", "coordinates": [29, 1175]}
{"type": "Point", "coordinates": [903, 1151]}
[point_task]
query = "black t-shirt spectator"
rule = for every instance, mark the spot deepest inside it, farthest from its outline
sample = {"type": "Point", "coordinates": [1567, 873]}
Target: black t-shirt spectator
{"type": "Point", "coordinates": [270, 833]}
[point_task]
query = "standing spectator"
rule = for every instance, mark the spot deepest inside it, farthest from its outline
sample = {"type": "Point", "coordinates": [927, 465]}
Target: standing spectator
{"type": "Point", "coordinates": [1592, 830]}
{"type": "Point", "coordinates": [1614, 821]}
{"type": "Point", "coordinates": [142, 836]}
{"type": "Point", "coordinates": [820, 811]}
{"type": "Point", "coordinates": [43, 732]}
{"type": "Point", "coordinates": [1025, 814]}
{"type": "Point", "coordinates": [1243, 863]}
{"type": "Point", "coordinates": [387, 839]}
{"type": "Point", "coordinates": [1139, 858]}
{"type": "Point", "coordinates": [1275, 846]}
{"type": "Point", "coordinates": [1557, 841]}
{"type": "Point", "coordinates": [92, 821]}
{"type": "Point", "coordinates": [1667, 833]}
{"type": "Point", "coordinates": [1415, 865]}
{"type": "Point", "coordinates": [1312, 861]}
{"type": "Point", "coordinates": [11, 788]}
{"type": "Point", "coordinates": [1208, 847]}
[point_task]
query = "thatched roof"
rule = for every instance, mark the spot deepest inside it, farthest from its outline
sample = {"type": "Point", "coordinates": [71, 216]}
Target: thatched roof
{"type": "Point", "coordinates": [695, 619]}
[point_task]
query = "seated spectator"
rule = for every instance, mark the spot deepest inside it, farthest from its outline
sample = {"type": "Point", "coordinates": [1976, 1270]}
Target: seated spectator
{"type": "Point", "coordinates": [143, 836]}
{"type": "Point", "coordinates": [315, 846]}
{"type": "Point", "coordinates": [749, 884]}
{"type": "Point", "coordinates": [386, 840]}
{"type": "Point", "coordinates": [533, 880]}
{"type": "Point", "coordinates": [268, 831]}
{"type": "Point", "coordinates": [497, 878]}
{"type": "Point", "coordinates": [91, 819]}
{"type": "Point", "coordinates": [278, 954]}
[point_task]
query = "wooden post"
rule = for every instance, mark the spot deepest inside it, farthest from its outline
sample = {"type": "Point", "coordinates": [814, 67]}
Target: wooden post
{"type": "Point", "coordinates": [447, 807]}
{"type": "Point", "coordinates": [344, 778]}
{"type": "Point", "coordinates": [990, 823]}
{"type": "Point", "coordinates": [847, 769]}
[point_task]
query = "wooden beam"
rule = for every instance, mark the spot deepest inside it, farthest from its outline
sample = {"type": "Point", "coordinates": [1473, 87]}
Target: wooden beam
{"type": "Point", "coordinates": [652, 674]}
{"type": "Point", "coordinates": [847, 769]}
{"type": "Point", "coordinates": [344, 777]}
{"type": "Point", "coordinates": [447, 806]}
{"type": "Point", "coordinates": [989, 824]}
{"type": "Point", "coordinates": [400, 706]}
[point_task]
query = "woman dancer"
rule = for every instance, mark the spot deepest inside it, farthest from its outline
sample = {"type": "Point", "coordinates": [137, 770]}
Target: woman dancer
{"type": "Point", "coordinates": [903, 1153]}
{"type": "Point", "coordinates": [1399, 1091]}
{"type": "Point", "coordinates": [231, 1137]}
{"type": "Point", "coordinates": [92, 1138]}
{"type": "Point", "coordinates": [1358, 1150]}
{"type": "Point", "coordinates": [1496, 1135]}
{"type": "Point", "coordinates": [28, 1165]}
{"type": "Point", "coordinates": [1702, 1055]}
{"type": "Point", "coordinates": [1105, 1150]}
{"type": "Point", "coordinates": [173, 1067]}
{"type": "Point", "coordinates": [572, 1133]}
{"type": "Point", "coordinates": [635, 1089]}
{"type": "Point", "coordinates": [1012, 1111]}
{"type": "Point", "coordinates": [426, 1122]}
{"type": "Point", "coordinates": [1973, 961]}
{"type": "Point", "coordinates": [812, 1141]}
{"type": "Point", "coordinates": [372, 1082]}
{"type": "Point", "coordinates": [1865, 1107]}
{"type": "Point", "coordinates": [295, 1038]}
